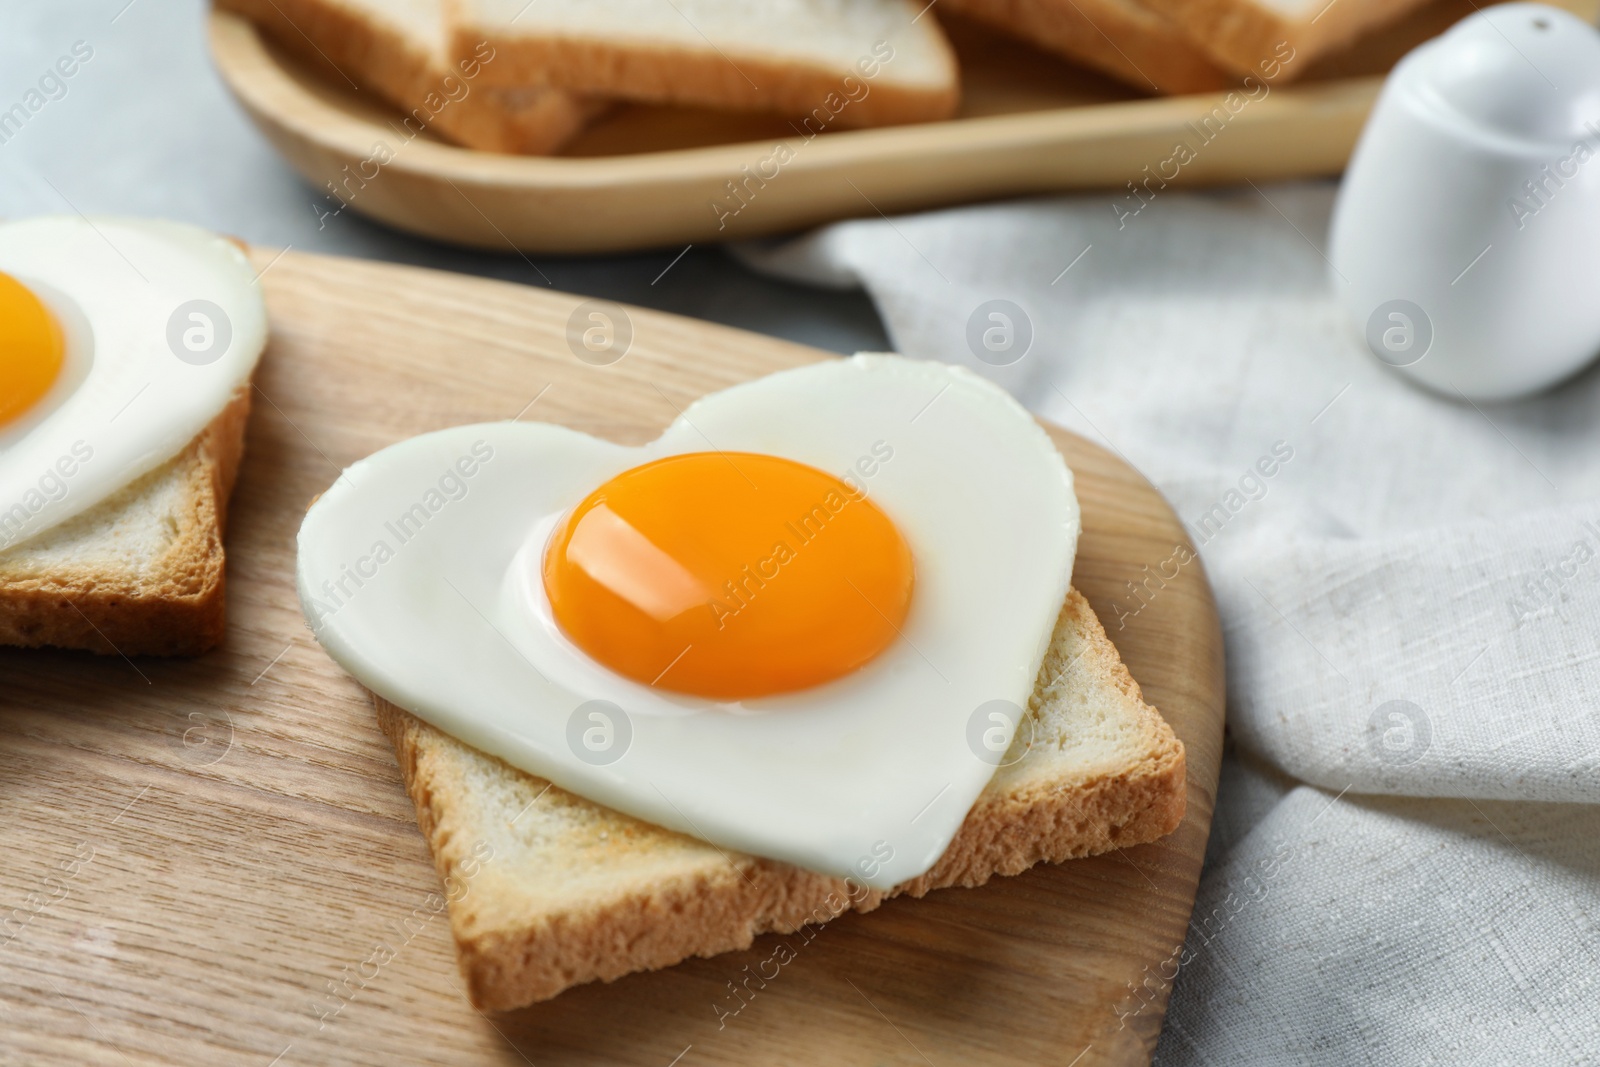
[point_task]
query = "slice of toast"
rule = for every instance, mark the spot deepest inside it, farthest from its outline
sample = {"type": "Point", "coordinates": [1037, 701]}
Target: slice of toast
{"type": "Point", "coordinates": [1123, 38]}
{"type": "Point", "coordinates": [398, 51]}
{"type": "Point", "coordinates": [548, 890]}
{"type": "Point", "coordinates": [140, 573]}
{"type": "Point", "coordinates": [865, 62]}
{"type": "Point", "coordinates": [1242, 34]}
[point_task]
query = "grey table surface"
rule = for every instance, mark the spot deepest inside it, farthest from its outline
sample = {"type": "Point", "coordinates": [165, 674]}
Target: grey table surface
{"type": "Point", "coordinates": [146, 127]}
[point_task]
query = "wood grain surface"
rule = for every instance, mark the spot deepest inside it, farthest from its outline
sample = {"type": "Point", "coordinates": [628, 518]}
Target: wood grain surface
{"type": "Point", "coordinates": [201, 856]}
{"type": "Point", "coordinates": [648, 176]}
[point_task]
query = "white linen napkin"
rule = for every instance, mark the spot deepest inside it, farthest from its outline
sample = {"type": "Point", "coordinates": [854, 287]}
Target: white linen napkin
{"type": "Point", "coordinates": [1410, 591]}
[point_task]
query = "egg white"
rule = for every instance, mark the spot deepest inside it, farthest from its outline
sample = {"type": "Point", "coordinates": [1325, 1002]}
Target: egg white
{"type": "Point", "coordinates": [868, 776]}
{"type": "Point", "coordinates": [125, 403]}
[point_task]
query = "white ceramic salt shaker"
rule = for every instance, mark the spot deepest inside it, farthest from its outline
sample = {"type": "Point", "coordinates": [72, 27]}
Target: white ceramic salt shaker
{"type": "Point", "coordinates": [1466, 240]}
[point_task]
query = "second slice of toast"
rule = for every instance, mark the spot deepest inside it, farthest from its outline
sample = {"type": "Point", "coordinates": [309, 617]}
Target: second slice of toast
{"type": "Point", "coordinates": [859, 63]}
{"type": "Point", "coordinates": [548, 890]}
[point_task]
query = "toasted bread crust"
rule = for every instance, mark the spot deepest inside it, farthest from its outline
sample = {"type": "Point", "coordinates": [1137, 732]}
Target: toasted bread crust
{"type": "Point", "coordinates": [1125, 40]}
{"type": "Point", "coordinates": [681, 76]}
{"type": "Point", "coordinates": [322, 31]}
{"type": "Point", "coordinates": [182, 613]}
{"type": "Point", "coordinates": [716, 901]}
{"type": "Point", "coordinates": [1241, 34]}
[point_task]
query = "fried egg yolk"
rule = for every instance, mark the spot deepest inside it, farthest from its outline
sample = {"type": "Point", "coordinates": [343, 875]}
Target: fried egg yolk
{"type": "Point", "coordinates": [32, 350]}
{"type": "Point", "coordinates": [728, 576]}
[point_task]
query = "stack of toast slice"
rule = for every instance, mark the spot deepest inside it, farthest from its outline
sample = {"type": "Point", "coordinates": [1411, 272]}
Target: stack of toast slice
{"type": "Point", "coordinates": [514, 76]}
{"type": "Point", "coordinates": [518, 77]}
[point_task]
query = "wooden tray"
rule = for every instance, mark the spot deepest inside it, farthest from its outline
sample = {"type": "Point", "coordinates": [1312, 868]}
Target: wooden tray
{"type": "Point", "coordinates": [650, 176]}
{"type": "Point", "coordinates": [243, 840]}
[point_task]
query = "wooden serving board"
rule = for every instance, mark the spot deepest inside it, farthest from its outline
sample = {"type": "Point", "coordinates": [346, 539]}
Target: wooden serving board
{"type": "Point", "coordinates": [201, 855]}
{"type": "Point", "coordinates": [648, 176]}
